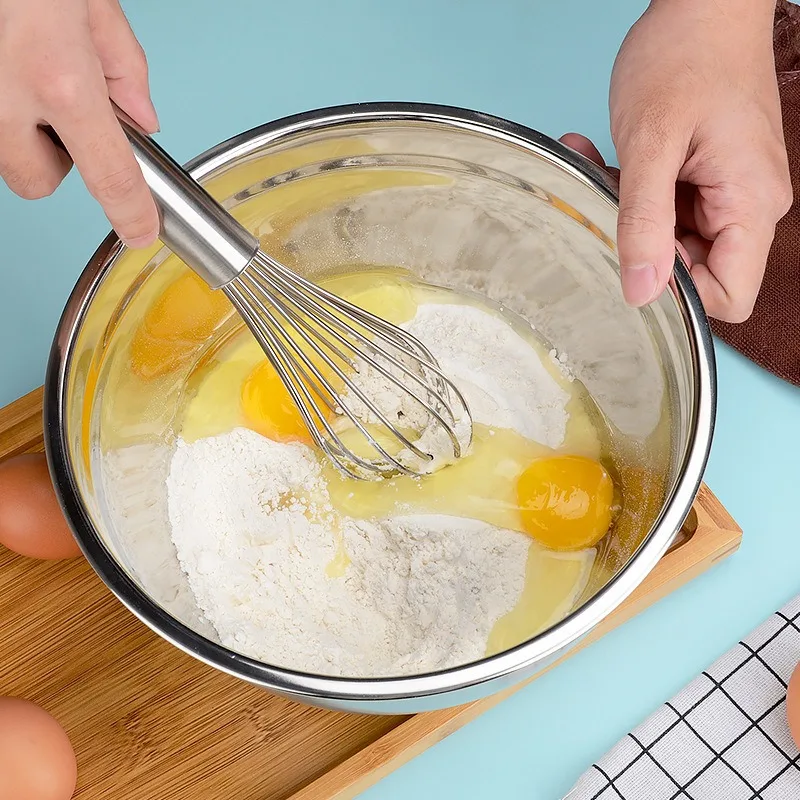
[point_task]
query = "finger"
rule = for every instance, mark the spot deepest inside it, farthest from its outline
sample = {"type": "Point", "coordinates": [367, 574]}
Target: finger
{"type": "Point", "coordinates": [123, 61]}
{"type": "Point", "coordinates": [30, 163]}
{"type": "Point", "coordinates": [684, 192]}
{"type": "Point", "coordinates": [646, 222]}
{"type": "Point", "coordinates": [90, 131]}
{"type": "Point", "coordinates": [686, 252]}
{"type": "Point", "coordinates": [695, 247]}
{"type": "Point", "coordinates": [729, 278]}
{"type": "Point", "coordinates": [584, 146]}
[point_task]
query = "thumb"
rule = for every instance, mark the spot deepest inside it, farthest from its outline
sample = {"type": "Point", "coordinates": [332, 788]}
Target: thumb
{"type": "Point", "coordinates": [646, 222]}
{"type": "Point", "coordinates": [123, 61]}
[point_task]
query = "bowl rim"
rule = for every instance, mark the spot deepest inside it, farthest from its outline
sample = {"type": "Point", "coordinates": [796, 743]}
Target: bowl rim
{"type": "Point", "coordinates": [518, 659]}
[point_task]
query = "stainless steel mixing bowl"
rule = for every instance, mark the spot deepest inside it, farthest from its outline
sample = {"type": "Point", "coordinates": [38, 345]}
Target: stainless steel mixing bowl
{"type": "Point", "coordinates": [460, 199]}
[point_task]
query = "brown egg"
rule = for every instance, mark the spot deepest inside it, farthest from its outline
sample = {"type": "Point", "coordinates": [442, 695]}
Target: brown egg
{"type": "Point", "coordinates": [37, 761]}
{"type": "Point", "coordinates": [793, 705]}
{"type": "Point", "coordinates": [31, 522]}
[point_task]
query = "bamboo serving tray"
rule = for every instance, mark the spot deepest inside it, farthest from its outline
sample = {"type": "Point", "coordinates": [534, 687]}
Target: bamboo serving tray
{"type": "Point", "coordinates": [148, 721]}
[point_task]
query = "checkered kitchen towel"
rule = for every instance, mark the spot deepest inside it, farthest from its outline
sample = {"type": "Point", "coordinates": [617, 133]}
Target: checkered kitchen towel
{"type": "Point", "coordinates": [723, 737]}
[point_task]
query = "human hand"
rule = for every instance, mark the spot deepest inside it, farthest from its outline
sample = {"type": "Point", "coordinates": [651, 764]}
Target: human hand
{"type": "Point", "coordinates": [60, 62]}
{"type": "Point", "coordinates": [696, 122]}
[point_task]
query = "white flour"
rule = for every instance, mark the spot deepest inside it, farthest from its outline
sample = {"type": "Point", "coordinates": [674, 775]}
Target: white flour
{"type": "Point", "coordinates": [501, 376]}
{"type": "Point", "coordinates": [255, 533]}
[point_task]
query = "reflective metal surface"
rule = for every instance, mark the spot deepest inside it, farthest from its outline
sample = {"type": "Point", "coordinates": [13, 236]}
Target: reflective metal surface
{"type": "Point", "coordinates": [283, 310]}
{"type": "Point", "coordinates": [459, 199]}
{"type": "Point", "coordinates": [193, 225]}
{"type": "Point", "coordinates": [293, 318]}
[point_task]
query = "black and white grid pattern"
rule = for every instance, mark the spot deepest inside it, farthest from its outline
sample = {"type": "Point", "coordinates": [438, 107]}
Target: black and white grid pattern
{"type": "Point", "coordinates": [724, 736]}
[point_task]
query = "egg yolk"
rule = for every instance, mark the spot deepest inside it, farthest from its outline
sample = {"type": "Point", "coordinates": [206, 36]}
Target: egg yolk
{"type": "Point", "coordinates": [565, 502]}
{"type": "Point", "coordinates": [270, 410]}
{"type": "Point", "coordinates": [182, 318]}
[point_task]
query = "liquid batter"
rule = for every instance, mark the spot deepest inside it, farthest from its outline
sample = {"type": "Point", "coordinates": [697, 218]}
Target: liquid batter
{"type": "Point", "coordinates": [562, 498]}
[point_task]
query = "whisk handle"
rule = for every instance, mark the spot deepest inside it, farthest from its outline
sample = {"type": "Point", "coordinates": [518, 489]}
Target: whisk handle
{"type": "Point", "coordinates": [193, 224]}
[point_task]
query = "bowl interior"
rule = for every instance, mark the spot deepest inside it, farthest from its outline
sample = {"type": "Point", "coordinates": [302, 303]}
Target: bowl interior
{"type": "Point", "coordinates": [457, 205]}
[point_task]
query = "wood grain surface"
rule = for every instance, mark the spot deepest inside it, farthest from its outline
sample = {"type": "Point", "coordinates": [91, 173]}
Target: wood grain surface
{"type": "Point", "coordinates": [149, 722]}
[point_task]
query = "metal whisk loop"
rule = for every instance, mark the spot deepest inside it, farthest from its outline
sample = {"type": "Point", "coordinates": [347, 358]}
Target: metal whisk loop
{"type": "Point", "coordinates": [319, 379]}
{"type": "Point", "coordinates": [297, 379]}
{"type": "Point", "coordinates": [328, 322]}
{"type": "Point", "coordinates": [285, 312]}
{"type": "Point", "coordinates": [380, 328]}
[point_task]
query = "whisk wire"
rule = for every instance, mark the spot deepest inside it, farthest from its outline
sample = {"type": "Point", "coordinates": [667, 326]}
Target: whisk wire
{"type": "Point", "coordinates": [279, 307]}
{"type": "Point", "coordinates": [287, 372]}
{"type": "Point", "coordinates": [272, 339]}
{"type": "Point", "coordinates": [379, 327]}
{"type": "Point", "coordinates": [425, 361]}
{"type": "Point", "coordinates": [318, 374]}
{"type": "Point", "coordinates": [275, 352]}
{"type": "Point", "coordinates": [429, 408]}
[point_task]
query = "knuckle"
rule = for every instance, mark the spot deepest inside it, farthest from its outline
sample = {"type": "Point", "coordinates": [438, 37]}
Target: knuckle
{"type": "Point", "coordinates": [646, 144]}
{"type": "Point", "coordinates": [30, 185]}
{"type": "Point", "coordinates": [644, 128]}
{"type": "Point", "coordinates": [784, 195]}
{"type": "Point", "coordinates": [140, 226]}
{"type": "Point", "coordinates": [638, 218]}
{"type": "Point", "coordinates": [131, 63]}
{"type": "Point", "coordinates": [139, 64]}
{"type": "Point", "coordinates": [60, 91]}
{"type": "Point", "coordinates": [735, 308]}
{"type": "Point", "coordinates": [117, 186]}
{"type": "Point", "coordinates": [776, 190]}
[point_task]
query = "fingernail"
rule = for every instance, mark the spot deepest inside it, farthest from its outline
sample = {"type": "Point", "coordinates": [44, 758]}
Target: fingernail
{"type": "Point", "coordinates": [639, 284]}
{"type": "Point", "coordinates": [157, 129]}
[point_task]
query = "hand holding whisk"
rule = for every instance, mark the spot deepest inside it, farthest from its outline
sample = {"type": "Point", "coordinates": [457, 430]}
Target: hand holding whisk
{"type": "Point", "coordinates": [326, 351]}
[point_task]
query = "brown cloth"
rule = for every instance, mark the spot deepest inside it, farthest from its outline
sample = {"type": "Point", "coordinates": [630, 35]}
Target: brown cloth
{"type": "Point", "coordinates": [771, 337]}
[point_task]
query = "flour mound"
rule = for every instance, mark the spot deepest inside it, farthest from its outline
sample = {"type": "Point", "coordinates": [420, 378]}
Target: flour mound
{"type": "Point", "coordinates": [500, 374]}
{"type": "Point", "coordinates": [420, 593]}
{"type": "Point", "coordinates": [256, 535]}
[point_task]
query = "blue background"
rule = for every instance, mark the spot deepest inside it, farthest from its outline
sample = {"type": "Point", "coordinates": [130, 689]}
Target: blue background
{"type": "Point", "coordinates": [218, 68]}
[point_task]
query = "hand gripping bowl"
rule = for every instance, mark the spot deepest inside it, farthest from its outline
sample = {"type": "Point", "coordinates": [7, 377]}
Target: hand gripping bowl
{"type": "Point", "coordinates": [460, 199]}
